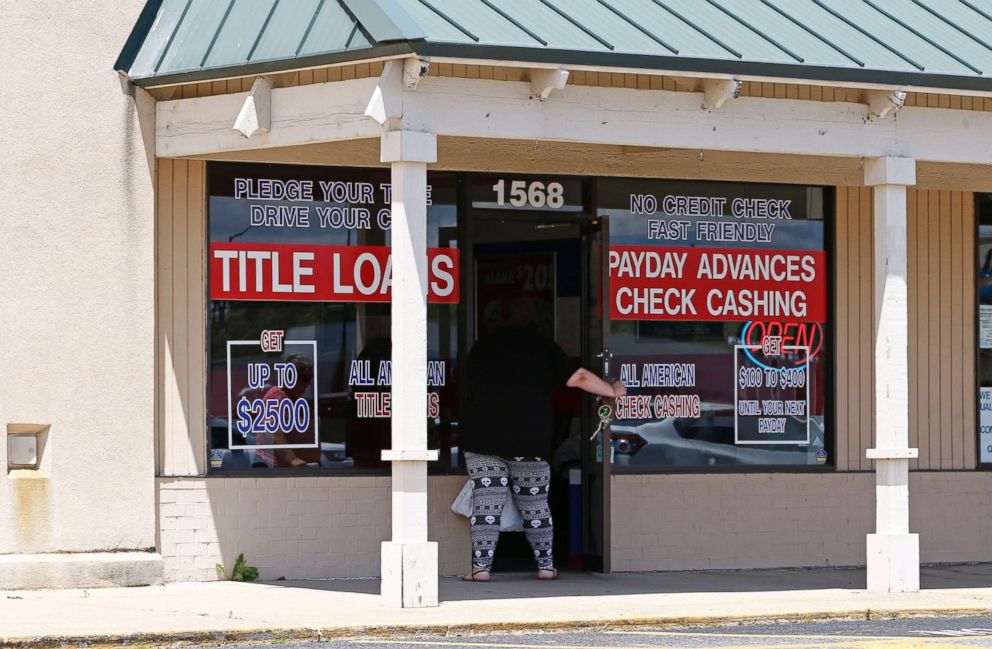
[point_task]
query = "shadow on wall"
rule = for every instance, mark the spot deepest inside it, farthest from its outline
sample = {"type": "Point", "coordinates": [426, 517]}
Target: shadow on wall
{"type": "Point", "coordinates": [320, 528]}
{"type": "Point", "coordinates": [32, 508]}
{"type": "Point", "coordinates": [294, 528]}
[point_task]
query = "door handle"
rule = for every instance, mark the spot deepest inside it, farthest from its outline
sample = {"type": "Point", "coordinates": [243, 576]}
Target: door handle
{"type": "Point", "coordinates": [605, 356]}
{"type": "Point", "coordinates": [605, 410]}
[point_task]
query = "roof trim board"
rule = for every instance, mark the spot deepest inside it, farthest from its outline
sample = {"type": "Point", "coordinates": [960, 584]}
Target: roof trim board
{"type": "Point", "coordinates": [662, 64]}
{"type": "Point", "coordinates": [277, 66]}
{"type": "Point", "coordinates": [629, 62]}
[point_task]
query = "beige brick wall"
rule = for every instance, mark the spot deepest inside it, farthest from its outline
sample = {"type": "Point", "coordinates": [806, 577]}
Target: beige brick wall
{"type": "Point", "coordinates": [952, 511]}
{"type": "Point", "coordinates": [293, 527]}
{"type": "Point", "coordinates": [332, 527]}
{"type": "Point", "coordinates": [684, 522]}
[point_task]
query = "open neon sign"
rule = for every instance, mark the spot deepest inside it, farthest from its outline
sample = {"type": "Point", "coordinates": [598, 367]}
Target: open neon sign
{"type": "Point", "coordinates": [793, 334]}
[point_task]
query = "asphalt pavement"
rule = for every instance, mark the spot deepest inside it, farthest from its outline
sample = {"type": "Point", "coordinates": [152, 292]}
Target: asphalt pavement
{"type": "Point", "coordinates": [901, 633]}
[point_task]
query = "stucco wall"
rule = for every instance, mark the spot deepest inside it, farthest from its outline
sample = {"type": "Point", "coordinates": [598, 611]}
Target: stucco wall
{"type": "Point", "coordinates": [77, 296]}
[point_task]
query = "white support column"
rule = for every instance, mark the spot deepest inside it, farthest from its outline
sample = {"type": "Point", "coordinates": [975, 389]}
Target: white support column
{"type": "Point", "coordinates": [893, 553]}
{"type": "Point", "coordinates": [409, 560]}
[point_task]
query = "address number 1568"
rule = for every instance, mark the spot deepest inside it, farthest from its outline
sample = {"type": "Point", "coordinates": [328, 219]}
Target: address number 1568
{"type": "Point", "coordinates": [530, 194]}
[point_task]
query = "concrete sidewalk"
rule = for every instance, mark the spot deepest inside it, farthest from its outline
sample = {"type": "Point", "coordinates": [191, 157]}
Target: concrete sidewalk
{"type": "Point", "coordinates": [208, 612]}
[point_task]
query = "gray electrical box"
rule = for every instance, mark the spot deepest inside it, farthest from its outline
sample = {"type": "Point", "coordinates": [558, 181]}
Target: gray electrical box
{"type": "Point", "coordinates": [22, 451]}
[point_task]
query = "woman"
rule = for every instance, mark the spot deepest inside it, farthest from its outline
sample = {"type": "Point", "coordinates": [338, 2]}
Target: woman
{"type": "Point", "coordinates": [508, 431]}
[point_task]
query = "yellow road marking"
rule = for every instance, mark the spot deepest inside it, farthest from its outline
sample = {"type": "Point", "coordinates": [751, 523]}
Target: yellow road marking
{"type": "Point", "coordinates": [922, 643]}
{"type": "Point", "coordinates": [900, 642]}
{"type": "Point", "coordinates": [786, 636]}
{"type": "Point", "coordinates": [522, 645]}
{"type": "Point", "coordinates": [501, 645]}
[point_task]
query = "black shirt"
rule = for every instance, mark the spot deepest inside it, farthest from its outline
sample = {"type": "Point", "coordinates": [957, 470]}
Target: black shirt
{"type": "Point", "coordinates": [512, 373]}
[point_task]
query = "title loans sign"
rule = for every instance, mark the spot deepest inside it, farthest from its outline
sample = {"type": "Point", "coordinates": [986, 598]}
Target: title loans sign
{"type": "Point", "coordinates": [291, 239]}
{"type": "Point", "coordinates": [298, 272]}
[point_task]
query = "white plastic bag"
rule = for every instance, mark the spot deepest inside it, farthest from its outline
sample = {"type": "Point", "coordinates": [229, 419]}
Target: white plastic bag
{"type": "Point", "coordinates": [510, 521]}
{"type": "Point", "coordinates": [463, 501]}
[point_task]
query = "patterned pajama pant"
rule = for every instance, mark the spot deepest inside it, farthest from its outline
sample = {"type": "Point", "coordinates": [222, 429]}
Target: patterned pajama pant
{"type": "Point", "coordinates": [528, 480]}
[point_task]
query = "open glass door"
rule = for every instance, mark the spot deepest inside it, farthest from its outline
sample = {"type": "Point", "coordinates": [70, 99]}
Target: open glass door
{"type": "Point", "coordinates": [548, 248]}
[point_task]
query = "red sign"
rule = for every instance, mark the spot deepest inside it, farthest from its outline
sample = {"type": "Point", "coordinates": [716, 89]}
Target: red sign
{"type": "Point", "coordinates": [298, 272]}
{"type": "Point", "coordinates": [717, 284]}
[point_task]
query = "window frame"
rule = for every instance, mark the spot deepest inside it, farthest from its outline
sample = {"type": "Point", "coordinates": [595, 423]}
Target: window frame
{"type": "Point", "coordinates": [463, 186]}
{"type": "Point", "coordinates": [275, 472]}
{"type": "Point", "coordinates": [979, 198]}
{"type": "Point", "coordinates": [830, 410]}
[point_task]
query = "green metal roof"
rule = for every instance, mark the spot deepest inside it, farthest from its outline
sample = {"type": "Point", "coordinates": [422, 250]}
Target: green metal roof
{"type": "Point", "coordinates": [927, 43]}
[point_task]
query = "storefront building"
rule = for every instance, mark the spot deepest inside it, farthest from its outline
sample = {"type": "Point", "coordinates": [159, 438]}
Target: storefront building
{"type": "Point", "coordinates": [771, 226]}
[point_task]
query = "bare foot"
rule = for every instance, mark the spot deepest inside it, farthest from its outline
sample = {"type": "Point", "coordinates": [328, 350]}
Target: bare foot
{"type": "Point", "coordinates": [547, 575]}
{"type": "Point", "coordinates": [477, 575]}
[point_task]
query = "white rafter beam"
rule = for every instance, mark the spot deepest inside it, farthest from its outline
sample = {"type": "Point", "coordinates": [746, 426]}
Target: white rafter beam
{"type": "Point", "coordinates": [386, 102]}
{"type": "Point", "coordinates": [716, 92]}
{"type": "Point", "coordinates": [300, 115]}
{"type": "Point", "coordinates": [482, 108]}
{"type": "Point", "coordinates": [882, 103]}
{"type": "Point", "coordinates": [415, 69]}
{"type": "Point", "coordinates": [543, 81]}
{"type": "Point", "coordinates": [665, 119]}
{"type": "Point", "coordinates": [256, 113]}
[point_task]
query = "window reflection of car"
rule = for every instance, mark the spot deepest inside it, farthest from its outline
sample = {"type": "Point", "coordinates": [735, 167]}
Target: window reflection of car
{"type": "Point", "coordinates": [228, 458]}
{"type": "Point", "coordinates": [707, 440]}
{"type": "Point", "coordinates": [333, 454]}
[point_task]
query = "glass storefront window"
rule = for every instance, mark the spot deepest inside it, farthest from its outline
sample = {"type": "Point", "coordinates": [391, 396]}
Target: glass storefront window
{"type": "Point", "coordinates": [984, 292]}
{"type": "Point", "coordinates": [716, 306]}
{"type": "Point", "coordinates": [299, 317]}
{"type": "Point", "coordinates": [719, 323]}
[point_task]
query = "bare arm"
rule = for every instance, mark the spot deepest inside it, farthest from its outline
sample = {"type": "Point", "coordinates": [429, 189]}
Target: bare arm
{"type": "Point", "coordinates": [287, 455]}
{"type": "Point", "coordinates": [585, 380]}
